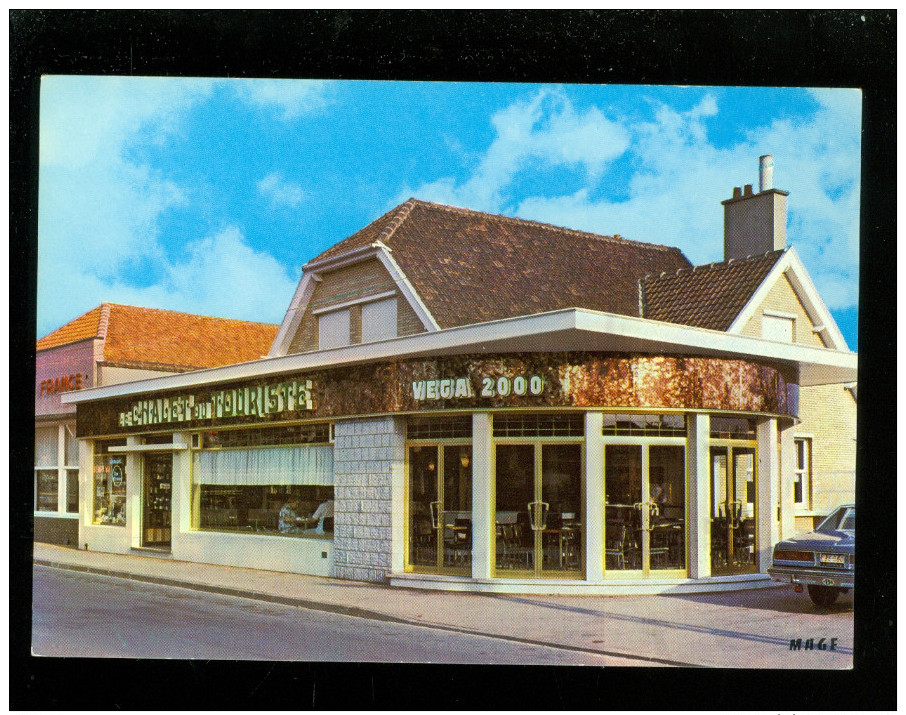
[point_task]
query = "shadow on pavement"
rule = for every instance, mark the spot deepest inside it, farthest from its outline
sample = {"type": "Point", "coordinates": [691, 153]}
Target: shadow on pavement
{"type": "Point", "coordinates": [781, 600]}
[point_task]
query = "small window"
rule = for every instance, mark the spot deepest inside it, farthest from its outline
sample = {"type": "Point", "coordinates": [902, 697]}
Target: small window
{"type": "Point", "coordinates": [333, 330]}
{"type": "Point", "coordinates": [539, 425]}
{"type": "Point", "coordinates": [379, 320]}
{"type": "Point", "coordinates": [802, 475]}
{"type": "Point", "coordinates": [774, 327]}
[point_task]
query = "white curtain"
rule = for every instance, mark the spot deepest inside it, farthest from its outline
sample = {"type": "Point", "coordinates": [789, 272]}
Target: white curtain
{"type": "Point", "coordinates": [46, 446]}
{"type": "Point", "coordinates": [265, 467]}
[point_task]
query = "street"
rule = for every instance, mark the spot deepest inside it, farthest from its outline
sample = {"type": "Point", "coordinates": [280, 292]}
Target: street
{"type": "Point", "coordinates": [79, 614]}
{"type": "Point", "coordinates": [86, 615]}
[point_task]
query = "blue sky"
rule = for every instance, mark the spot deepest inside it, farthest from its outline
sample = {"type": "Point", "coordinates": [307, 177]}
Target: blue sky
{"type": "Point", "coordinates": [208, 195]}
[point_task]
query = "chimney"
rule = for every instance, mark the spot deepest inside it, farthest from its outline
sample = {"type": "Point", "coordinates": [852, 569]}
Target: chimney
{"type": "Point", "coordinates": [755, 223]}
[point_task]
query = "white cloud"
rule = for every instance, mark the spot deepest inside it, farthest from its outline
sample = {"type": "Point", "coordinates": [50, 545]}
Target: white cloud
{"type": "Point", "coordinates": [680, 177]}
{"type": "Point", "coordinates": [99, 210]}
{"type": "Point", "coordinates": [543, 128]}
{"type": "Point", "coordinates": [280, 192]}
{"type": "Point", "coordinates": [294, 97]}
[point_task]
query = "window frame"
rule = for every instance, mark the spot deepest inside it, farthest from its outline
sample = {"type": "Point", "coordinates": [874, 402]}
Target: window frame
{"type": "Point", "coordinates": [802, 475]}
{"type": "Point", "coordinates": [65, 472]}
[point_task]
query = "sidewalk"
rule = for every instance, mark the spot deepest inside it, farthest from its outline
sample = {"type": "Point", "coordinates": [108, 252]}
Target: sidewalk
{"type": "Point", "coordinates": [645, 630]}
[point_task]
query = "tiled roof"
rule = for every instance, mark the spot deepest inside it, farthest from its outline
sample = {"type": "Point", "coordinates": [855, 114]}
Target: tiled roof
{"type": "Point", "coordinates": [82, 328]}
{"type": "Point", "coordinates": [470, 267]}
{"type": "Point", "coordinates": [709, 296]}
{"type": "Point", "coordinates": [163, 339]}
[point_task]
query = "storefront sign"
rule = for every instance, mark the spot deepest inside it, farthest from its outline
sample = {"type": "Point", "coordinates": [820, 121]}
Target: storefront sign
{"type": "Point", "coordinates": [459, 382]}
{"type": "Point", "coordinates": [255, 401]}
{"type": "Point", "coordinates": [461, 387]}
{"type": "Point", "coordinates": [63, 383]}
{"type": "Point", "coordinates": [117, 470]}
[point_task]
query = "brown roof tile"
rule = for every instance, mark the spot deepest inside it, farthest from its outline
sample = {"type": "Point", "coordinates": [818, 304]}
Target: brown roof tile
{"type": "Point", "coordinates": [164, 339]}
{"type": "Point", "coordinates": [709, 296]}
{"type": "Point", "coordinates": [470, 267]}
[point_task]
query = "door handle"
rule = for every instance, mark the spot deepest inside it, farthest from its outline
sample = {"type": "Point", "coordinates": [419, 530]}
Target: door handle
{"type": "Point", "coordinates": [434, 515]}
{"type": "Point", "coordinates": [533, 515]}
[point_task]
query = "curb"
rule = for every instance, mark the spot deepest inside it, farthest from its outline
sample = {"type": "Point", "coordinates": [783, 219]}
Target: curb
{"type": "Point", "coordinates": [351, 611]}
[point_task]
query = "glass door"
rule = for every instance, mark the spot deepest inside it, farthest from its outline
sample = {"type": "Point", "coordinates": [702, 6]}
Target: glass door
{"type": "Point", "coordinates": [538, 507]}
{"type": "Point", "coordinates": [645, 508]}
{"type": "Point", "coordinates": [156, 500]}
{"type": "Point", "coordinates": [733, 495]}
{"type": "Point", "coordinates": [440, 508]}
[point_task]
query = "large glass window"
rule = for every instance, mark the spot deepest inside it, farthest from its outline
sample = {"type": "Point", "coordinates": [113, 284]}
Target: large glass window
{"type": "Point", "coordinates": [109, 485]}
{"type": "Point", "coordinates": [279, 489]}
{"type": "Point", "coordinates": [272, 509]}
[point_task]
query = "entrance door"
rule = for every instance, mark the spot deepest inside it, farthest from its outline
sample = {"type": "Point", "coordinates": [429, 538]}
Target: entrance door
{"type": "Point", "coordinates": [440, 508]}
{"type": "Point", "coordinates": [156, 500]}
{"type": "Point", "coordinates": [733, 496]}
{"type": "Point", "coordinates": [538, 506]}
{"type": "Point", "coordinates": [645, 508]}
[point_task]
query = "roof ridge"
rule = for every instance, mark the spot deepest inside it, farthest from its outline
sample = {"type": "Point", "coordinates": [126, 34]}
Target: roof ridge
{"type": "Point", "coordinates": [104, 321]}
{"type": "Point", "coordinates": [402, 213]}
{"type": "Point", "coordinates": [616, 238]}
{"type": "Point", "coordinates": [715, 265]}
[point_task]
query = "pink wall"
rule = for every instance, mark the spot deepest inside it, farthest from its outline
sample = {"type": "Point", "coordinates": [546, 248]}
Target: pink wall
{"type": "Point", "coordinates": [67, 366]}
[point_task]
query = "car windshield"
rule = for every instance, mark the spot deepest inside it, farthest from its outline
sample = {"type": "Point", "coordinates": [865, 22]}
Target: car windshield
{"type": "Point", "coordinates": [843, 518]}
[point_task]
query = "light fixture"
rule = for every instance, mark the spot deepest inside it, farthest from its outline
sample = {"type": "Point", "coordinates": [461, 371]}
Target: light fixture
{"type": "Point", "coordinates": [430, 466]}
{"type": "Point", "coordinates": [464, 460]}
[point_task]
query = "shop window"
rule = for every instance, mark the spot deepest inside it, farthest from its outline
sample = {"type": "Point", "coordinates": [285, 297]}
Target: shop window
{"type": "Point", "coordinates": [535, 425]}
{"type": "Point", "coordinates": [732, 428]}
{"type": "Point", "coordinates": [109, 485]}
{"type": "Point", "coordinates": [379, 320]}
{"type": "Point", "coordinates": [279, 490]}
{"type": "Point", "coordinates": [46, 468]}
{"type": "Point", "coordinates": [459, 426]}
{"type": "Point", "coordinates": [72, 491]}
{"type": "Point", "coordinates": [333, 329]}
{"type": "Point", "coordinates": [645, 425]}
{"type": "Point", "coordinates": [277, 510]}
{"type": "Point", "coordinates": [802, 475]}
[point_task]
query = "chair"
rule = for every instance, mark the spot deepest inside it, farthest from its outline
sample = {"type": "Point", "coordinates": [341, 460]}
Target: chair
{"type": "Point", "coordinates": [264, 519]}
{"type": "Point", "coordinates": [615, 544]}
{"type": "Point", "coordinates": [328, 524]}
{"type": "Point", "coordinates": [462, 542]}
{"type": "Point", "coordinates": [659, 547]}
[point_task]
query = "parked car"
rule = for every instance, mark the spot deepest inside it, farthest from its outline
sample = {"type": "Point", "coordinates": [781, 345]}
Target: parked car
{"type": "Point", "coordinates": [823, 560]}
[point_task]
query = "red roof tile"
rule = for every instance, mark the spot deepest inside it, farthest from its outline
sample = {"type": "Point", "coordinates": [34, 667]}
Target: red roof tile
{"type": "Point", "coordinates": [471, 267]}
{"type": "Point", "coordinates": [709, 296]}
{"type": "Point", "coordinates": [165, 340]}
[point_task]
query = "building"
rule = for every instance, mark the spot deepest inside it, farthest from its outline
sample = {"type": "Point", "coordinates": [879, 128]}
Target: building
{"type": "Point", "coordinates": [457, 400]}
{"type": "Point", "coordinates": [109, 345]}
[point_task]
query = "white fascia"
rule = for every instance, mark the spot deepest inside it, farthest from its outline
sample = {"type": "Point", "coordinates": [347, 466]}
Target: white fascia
{"type": "Point", "coordinates": [408, 292]}
{"type": "Point", "coordinates": [791, 265]}
{"type": "Point", "coordinates": [311, 274]}
{"type": "Point", "coordinates": [556, 331]}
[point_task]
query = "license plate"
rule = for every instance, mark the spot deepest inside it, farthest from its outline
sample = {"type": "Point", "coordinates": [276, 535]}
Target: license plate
{"type": "Point", "coordinates": [836, 559]}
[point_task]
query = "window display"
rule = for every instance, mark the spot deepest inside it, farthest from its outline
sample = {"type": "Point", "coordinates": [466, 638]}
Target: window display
{"type": "Point", "coordinates": [274, 509]}
{"type": "Point", "coordinates": [109, 505]}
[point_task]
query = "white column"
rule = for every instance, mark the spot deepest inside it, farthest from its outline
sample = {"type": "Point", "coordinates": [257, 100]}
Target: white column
{"type": "Point", "coordinates": [482, 508]}
{"type": "Point", "coordinates": [787, 473]}
{"type": "Point", "coordinates": [181, 490]}
{"type": "Point", "coordinates": [134, 479]}
{"type": "Point", "coordinates": [61, 468]}
{"type": "Point", "coordinates": [698, 460]}
{"type": "Point", "coordinates": [768, 527]}
{"type": "Point", "coordinates": [594, 497]}
{"type": "Point", "coordinates": [86, 488]}
{"type": "Point", "coordinates": [398, 496]}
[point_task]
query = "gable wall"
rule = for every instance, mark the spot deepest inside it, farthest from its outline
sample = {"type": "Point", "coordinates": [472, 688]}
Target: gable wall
{"type": "Point", "coordinates": [828, 416]}
{"type": "Point", "coordinates": [350, 283]}
{"type": "Point", "coordinates": [782, 298]}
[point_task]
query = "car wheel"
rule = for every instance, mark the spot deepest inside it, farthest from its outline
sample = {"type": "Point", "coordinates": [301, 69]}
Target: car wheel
{"type": "Point", "coordinates": [823, 595]}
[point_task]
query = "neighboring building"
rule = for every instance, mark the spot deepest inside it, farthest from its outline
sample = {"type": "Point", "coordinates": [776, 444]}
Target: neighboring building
{"type": "Point", "coordinates": [465, 401]}
{"type": "Point", "coordinates": [108, 345]}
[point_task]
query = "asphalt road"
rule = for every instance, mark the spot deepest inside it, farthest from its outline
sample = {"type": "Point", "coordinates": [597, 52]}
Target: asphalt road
{"type": "Point", "coordinates": [85, 615]}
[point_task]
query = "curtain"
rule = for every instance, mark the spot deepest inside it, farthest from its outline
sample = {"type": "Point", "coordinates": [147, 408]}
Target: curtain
{"type": "Point", "coordinates": [265, 467]}
{"type": "Point", "coordinates": [46, 446]}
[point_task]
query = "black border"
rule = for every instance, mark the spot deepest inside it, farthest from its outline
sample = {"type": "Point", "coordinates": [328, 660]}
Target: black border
{"type": "Point", "coordinates": [788, 48]}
